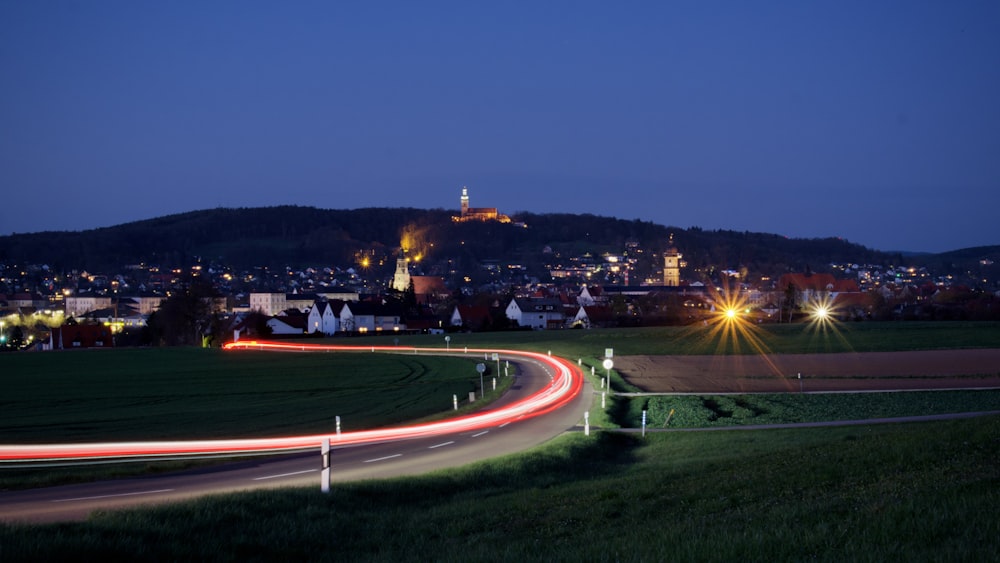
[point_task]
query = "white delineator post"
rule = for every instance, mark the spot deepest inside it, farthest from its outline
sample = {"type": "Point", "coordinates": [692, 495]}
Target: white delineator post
{"type": "Point", "coordinates": [324, 483]}
{"type": "Point", "coordinates": [586, 423]}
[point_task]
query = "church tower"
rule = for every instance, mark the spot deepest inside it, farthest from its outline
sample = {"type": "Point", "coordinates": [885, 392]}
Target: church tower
{"type": "Point", "coordinates": [671, 265]}
{"type": "Point", "coordinates": [401, 279]}
{"type": "Point", "coordinates": [465, 201]}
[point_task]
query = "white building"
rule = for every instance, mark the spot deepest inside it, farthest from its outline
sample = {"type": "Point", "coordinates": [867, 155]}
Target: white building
{"type": "Point", "coordinates": [537, 313]}
{"type": "Point", "coordinates": [323, 317]}
{"type": "Point", "coordinates": [77, 306]}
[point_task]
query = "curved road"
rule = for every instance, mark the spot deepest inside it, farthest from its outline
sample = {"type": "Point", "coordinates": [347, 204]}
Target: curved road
{"type": "Point", "coordinates": [389, 459]}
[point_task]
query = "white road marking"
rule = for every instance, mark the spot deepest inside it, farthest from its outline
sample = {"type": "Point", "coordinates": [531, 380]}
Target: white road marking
{"type": "Point", "coordinates": [113, 496]}
{"type": "Point", "coordinates": [439, 445]}
{"type": "Point", "coordinates": [285, 475]}
{"type": "Point", "coordinates": [504, 424]}
{"type": "Point", "coordinates": [481, 433]}
{"type": "Point", "coordinates": [381, 458]}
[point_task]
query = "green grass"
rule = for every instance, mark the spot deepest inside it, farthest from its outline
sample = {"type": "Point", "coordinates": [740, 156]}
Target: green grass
{"type": "Point", "coordinates": [188, 393]}
{"type": "Point", "coordinates": [736, 410]}
{"type": "Point", "coordinates": [915, 492]}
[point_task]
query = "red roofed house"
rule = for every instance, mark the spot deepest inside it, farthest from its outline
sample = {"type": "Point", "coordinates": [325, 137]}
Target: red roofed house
{"type": "Point", "coordinates": [429, 289]}
{"type": "Point", "coordinates": [68, 337]}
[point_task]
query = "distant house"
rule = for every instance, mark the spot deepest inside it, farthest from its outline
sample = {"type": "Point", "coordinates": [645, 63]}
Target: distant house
{"type": "Point", "coordinates": [288, 322]}
{"type": "Point", "coordinates": [536, 312]}
{"type": "Point", "coordinates": [473, 317]}
{"type": "Point", "coordinates": [365, 317]}
{"type": "Point", "coordinates": [429, 289]}
{"type": "Point", "coordinates": [589, 296]}
{"type": "Point", "coordinates": [79, 305]}
{"type": "Point", "coordinates": [593, 316]}
{"type": "Point", "coordinates": [324, 317]}
{"type": "Point", "coordinates": [270, 303]}
{"type": "Point", "coordinates": [71, 337]}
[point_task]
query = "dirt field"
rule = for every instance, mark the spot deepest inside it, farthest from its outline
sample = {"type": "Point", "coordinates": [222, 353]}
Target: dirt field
{"type": "Point", "coordinates": [938, 369]}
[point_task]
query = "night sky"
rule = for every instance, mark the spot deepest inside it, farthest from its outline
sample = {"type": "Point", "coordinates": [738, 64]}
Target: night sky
{"type": "Point", "coordinates": [875, 121]}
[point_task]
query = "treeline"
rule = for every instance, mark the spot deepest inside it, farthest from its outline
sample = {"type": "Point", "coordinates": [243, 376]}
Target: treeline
{"type": "Point", "coordinates": [299, 236]}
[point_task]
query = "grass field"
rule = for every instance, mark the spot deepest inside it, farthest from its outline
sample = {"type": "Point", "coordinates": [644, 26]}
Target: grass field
{"type": "Point", "coordinates": [737, 410]}
{"type": "Point", "coordinates": [189, 393]}
{"type": "Point", "coordinates": [915, 492]}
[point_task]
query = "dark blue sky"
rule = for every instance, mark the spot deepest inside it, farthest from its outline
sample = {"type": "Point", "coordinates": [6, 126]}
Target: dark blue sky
{"type": "Point", "coordinates": [875, 121]}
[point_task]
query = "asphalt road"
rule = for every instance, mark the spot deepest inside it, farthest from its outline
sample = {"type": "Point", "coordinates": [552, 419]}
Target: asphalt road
{"type": "Point", "coordinates": [392, 459]}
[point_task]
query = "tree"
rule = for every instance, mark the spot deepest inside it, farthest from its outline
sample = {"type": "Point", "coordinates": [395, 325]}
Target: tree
{"type": "Point", "coordinates": [186, 315]}
{"type": "Point", "coordinates": [789, 302]}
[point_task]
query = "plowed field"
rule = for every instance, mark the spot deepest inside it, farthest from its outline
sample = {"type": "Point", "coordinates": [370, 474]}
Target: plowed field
{"type": "Point", "coordinates": [935, 369]}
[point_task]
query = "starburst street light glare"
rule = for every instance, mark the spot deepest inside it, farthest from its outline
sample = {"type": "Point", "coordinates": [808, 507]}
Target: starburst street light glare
{"type": "Point", "coordinates": [821, 311]}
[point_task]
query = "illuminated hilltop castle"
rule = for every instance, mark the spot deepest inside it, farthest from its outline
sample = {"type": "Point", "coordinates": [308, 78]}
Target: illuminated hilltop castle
{"type": "Point", "coordinates": [478, 213]}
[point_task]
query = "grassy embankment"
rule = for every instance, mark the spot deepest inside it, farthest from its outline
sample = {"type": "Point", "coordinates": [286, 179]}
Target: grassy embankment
{"type": "Point", "coordinates": [915, 492]}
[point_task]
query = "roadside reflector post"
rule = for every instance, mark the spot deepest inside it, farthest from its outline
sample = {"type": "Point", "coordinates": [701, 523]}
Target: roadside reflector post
{"type": "Point", "coordinates": [324, 483]}
{"type": "Point", "coordinates": [494, 384]}
{"type": "Point", "coordinates": [579, 361]}
{"type": "Point", "coordinates": [800, 382]}
{"type": "Point", "coordinates": [604, 396]}
{"type": "Point", "coordinates": [338, 425]}
{"type": "Point", "coordinates": [586, 423]}
{"type": "Point", "coordinates": [454, 401]}
{"type": "Point", "coordinates": [644, 423]}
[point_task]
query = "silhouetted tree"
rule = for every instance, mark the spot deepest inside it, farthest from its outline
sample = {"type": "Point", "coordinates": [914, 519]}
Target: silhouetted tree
{"type": "Point", "coordinates": [186, 315]}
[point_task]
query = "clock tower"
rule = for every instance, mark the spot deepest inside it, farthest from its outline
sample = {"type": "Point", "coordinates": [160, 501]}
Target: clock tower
{"type": "Point", "coordinates": [671, 264]}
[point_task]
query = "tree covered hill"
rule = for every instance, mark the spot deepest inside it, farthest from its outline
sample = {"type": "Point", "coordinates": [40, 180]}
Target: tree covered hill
{"type": "Point", "coordinates": [299, 236]}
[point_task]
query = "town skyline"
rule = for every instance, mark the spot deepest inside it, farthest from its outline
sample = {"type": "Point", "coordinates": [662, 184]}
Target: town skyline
{"type": "Point", "coordinates": [873, 123]}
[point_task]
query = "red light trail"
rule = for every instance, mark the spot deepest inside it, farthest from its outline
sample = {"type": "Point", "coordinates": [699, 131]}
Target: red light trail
{"type": "Point", "coordinates": [566, 383]}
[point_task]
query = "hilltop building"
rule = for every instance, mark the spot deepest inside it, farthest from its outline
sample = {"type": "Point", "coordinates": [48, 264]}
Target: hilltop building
{"type": "Point", "coordinates": [477, 213]}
